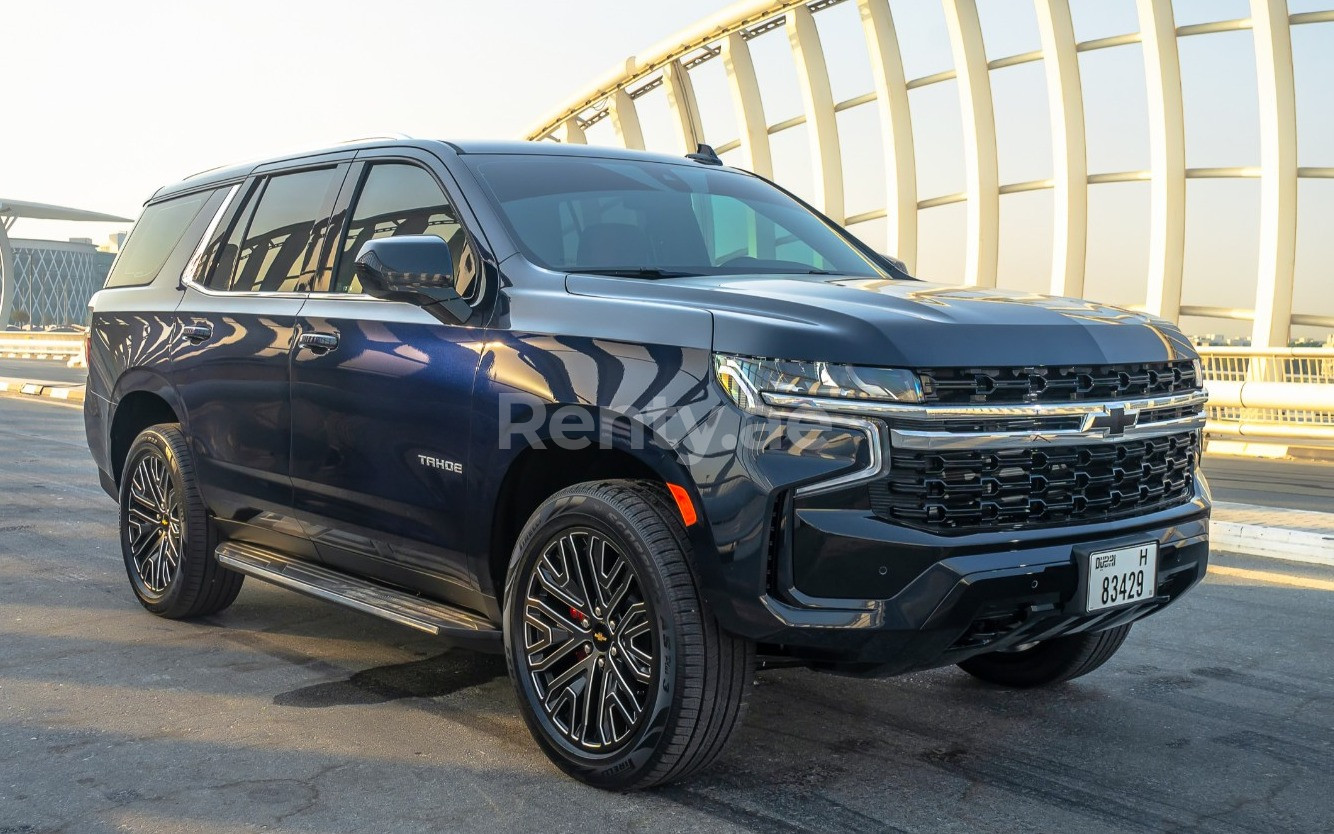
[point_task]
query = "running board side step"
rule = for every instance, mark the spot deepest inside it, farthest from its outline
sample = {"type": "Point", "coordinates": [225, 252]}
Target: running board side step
{"type": "Point", "coordinates": [396, 606]}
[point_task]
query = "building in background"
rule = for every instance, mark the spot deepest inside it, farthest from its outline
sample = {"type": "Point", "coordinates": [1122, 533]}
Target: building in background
{"type": "Point", "coordinates": [53, 280]}
{"type": "Point", "coordinates": [47, 283]}
{"type": "Point", "coordinates": [114, 243]}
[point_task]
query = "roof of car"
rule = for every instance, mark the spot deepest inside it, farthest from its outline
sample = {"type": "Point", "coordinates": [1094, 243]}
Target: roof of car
{"type": "Point", "coordinates": [238, 171]}
{"type": "Point", "coordinates": [561, 149]}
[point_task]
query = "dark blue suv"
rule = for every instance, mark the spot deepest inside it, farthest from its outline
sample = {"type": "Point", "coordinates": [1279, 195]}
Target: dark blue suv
{"type": "Point", "coordinates": [639, 422]}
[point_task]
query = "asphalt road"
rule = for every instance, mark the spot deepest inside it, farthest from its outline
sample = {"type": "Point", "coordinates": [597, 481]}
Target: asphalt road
{"type": "Point", "coordinates": [45, 370]}
{"type": "Point", "coordinates": [1297, 485]}
{"type": "Point", "coordinates": [285, 713]}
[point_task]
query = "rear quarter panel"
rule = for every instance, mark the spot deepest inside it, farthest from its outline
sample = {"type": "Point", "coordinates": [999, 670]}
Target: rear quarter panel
{"type": "Point", "coordinates": [129, 350]}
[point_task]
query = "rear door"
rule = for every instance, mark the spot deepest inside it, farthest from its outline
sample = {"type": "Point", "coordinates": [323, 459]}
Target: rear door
{"type": "Point", "coordinates": [381, 397]}
{"type": "Point", "coordinates": [232, 344]}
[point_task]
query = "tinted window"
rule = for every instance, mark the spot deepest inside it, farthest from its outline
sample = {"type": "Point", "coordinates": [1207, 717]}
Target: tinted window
{"type": "Point", "coordinates": [400, 199]}
{"type": "Point", "coordinates": [221, 254]}
{"type": "Point", "coordinates": [159, 230]}
{"type": "Point", "coordinates": [283, 236]}
{"type": "Point", "coordinates": [583, 214]}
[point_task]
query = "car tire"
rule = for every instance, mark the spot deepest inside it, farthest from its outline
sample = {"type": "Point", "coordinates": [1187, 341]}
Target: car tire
{"type": "Point", "coordinates": [165, 535]}
{"type": "Point", "coordinates": [1050, 661]}
{"type": "Point", "coordinates": [671, 684]}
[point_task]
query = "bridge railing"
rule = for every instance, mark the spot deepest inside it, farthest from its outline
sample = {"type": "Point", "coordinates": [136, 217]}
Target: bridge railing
{"type": "Point", "coordinates": [67, 347]}
{"type": "Point", "coordinates": [1285, 393]}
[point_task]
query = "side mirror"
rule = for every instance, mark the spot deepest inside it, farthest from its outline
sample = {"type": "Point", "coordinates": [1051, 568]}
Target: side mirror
{"type": "Point", "coordinates": [417, 269]}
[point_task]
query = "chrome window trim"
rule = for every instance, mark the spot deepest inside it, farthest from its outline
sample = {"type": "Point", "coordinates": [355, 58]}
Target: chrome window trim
{"type": "Point", "coordinates": [192, 265]}
{"type": "Point", "coordinates": [938, 413]}
{"type": "Point", "coordinates": [942, 441]}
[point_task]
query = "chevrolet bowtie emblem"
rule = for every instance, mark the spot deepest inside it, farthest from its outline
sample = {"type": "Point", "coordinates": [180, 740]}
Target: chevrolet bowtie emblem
{"type": "Point", "coordinates": [1114, 420]}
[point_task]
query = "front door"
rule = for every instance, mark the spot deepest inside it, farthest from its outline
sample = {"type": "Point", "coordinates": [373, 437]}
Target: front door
{"type": "Point", "coordinates": [381, 403]}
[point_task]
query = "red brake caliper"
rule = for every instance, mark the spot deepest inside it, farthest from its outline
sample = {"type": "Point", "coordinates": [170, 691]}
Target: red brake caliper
{"type": "Point", "coordinates": [578, 616]}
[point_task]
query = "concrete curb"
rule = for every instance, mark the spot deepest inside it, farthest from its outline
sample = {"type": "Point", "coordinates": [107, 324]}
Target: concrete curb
{"type": "Point", "coordinates": [1273, 533]}
{"type": "Point", "coordinates": [1268, 449]}
{"type": "Point", "coordinates": [71, 392]}
{"type": "Point", "coordinates": [1272, 542]}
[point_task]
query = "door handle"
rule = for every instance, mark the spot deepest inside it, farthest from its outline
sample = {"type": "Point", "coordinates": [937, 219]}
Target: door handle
{"type": "Point", "coordinates": [317, 342]}
{"type": "Point", "coordinates": [196, 332]}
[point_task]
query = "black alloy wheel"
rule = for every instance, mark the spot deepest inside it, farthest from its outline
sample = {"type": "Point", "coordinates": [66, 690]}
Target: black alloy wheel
{"type": "Point", "coordinates": [166, 537]}
{"type": "Point", "coordinates": [154, 524]}
{"type": "Point", "coordinates": [624, 678]}
{"type": "Point", "coordinates": [589, 640]}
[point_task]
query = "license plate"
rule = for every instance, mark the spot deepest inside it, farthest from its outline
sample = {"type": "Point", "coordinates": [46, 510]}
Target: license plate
{"type": "Point", "coordinates": [1122, 576]}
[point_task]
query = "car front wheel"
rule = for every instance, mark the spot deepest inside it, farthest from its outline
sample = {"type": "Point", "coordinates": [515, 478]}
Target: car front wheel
{"type": "Point", "coordinates": [624, 679]}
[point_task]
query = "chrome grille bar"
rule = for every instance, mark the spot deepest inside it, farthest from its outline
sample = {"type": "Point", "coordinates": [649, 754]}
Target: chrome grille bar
{"type": "Point", "coordinates": [942, 440]}
{"type": "Point", "coordinates": [938, 413]}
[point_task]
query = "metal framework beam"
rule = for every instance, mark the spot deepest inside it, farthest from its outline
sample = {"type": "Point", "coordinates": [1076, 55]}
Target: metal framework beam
{"type": "Point", "coordinates": [625, 120]}
{"type": "Point", "coordinates": [572, 132]}
{"type": "Point", "coordinates": [821, 123]}
{"type": "Point", "coordinates": [1278, 173]}
{"type": "Point", "coordinates": [745, 87]}
{"type": "Point", "coordinates": [1069, 160]}
{"type": "Point", "coordinates": [891, 97]}
{"type": "Point", "coordinates": [981, 175]}
{"type": "Point", "coordinates": [8, 281]}
{"type": "Point", "coordinates": [683, 106]}
{"type": "Point", "coordinates": [1167, 156]}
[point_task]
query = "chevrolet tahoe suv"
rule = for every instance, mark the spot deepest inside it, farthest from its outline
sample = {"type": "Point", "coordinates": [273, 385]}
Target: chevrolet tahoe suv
{"type": "Point", "coordinates": [639, 422]}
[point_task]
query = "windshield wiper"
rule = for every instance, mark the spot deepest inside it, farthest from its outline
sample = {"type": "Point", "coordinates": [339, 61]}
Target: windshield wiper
{"type": "Point", "coordinates": [636, 272]}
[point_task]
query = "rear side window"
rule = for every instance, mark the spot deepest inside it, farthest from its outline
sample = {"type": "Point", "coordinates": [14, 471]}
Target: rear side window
{"type": "Point", "coordinates": [159, 232]}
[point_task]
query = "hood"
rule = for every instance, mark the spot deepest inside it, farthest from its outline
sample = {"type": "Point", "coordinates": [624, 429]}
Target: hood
{"type": "Point", "coordinates": [907, 323]}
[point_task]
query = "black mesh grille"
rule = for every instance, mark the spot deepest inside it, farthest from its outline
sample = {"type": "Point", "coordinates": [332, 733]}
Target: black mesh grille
{"type": "Point", "coordinates": [967, 491]}
{"type": "Point", "coordinates": [943, 386]}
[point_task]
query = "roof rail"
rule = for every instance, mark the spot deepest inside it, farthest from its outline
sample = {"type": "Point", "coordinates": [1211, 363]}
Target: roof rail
{"type": "Point", "coordinates": [376, 137]}
{"type": "Point", "coordinates": [382, 137]}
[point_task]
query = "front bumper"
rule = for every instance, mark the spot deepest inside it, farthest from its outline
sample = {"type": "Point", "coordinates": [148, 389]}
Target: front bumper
{"type": "Point", "coordinates": [956, 596]}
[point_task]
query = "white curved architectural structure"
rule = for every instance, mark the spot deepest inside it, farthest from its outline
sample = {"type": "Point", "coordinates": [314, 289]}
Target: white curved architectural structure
{"type": "Point", "coordinates": [726, 37]}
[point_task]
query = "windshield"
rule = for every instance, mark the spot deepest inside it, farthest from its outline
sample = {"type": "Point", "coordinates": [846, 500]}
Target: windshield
{"type": "Point", "coordinates": [657, 220]}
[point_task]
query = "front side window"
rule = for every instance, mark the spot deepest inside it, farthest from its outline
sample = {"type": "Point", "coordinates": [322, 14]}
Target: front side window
{"type": "Point", "coordinates": [156, 234]}
{"type": "Point", "coordinates": [402, 199]}
{"type": "Point", "coordinates": [580, 214]}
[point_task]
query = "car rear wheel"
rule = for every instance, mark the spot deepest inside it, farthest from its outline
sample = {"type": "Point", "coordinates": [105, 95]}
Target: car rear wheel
{"type": "Point", "coordinates": [624, 679]}
{"type": "Point", "coordinates": [165, 535]}
{"type": "Point", "coordinates": [1048, 662]}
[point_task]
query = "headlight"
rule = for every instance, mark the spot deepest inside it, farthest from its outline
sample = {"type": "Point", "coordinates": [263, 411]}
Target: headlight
{"type": "Point", "coordinates": [747, 379]}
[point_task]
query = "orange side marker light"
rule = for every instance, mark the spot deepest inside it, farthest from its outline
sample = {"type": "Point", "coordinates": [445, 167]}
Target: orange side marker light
{"type": "Point", "coordinates": [683, 504]}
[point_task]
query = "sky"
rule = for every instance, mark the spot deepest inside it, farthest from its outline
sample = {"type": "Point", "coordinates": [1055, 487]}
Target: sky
{"type": "Point", "coordinates": [106, 103]}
